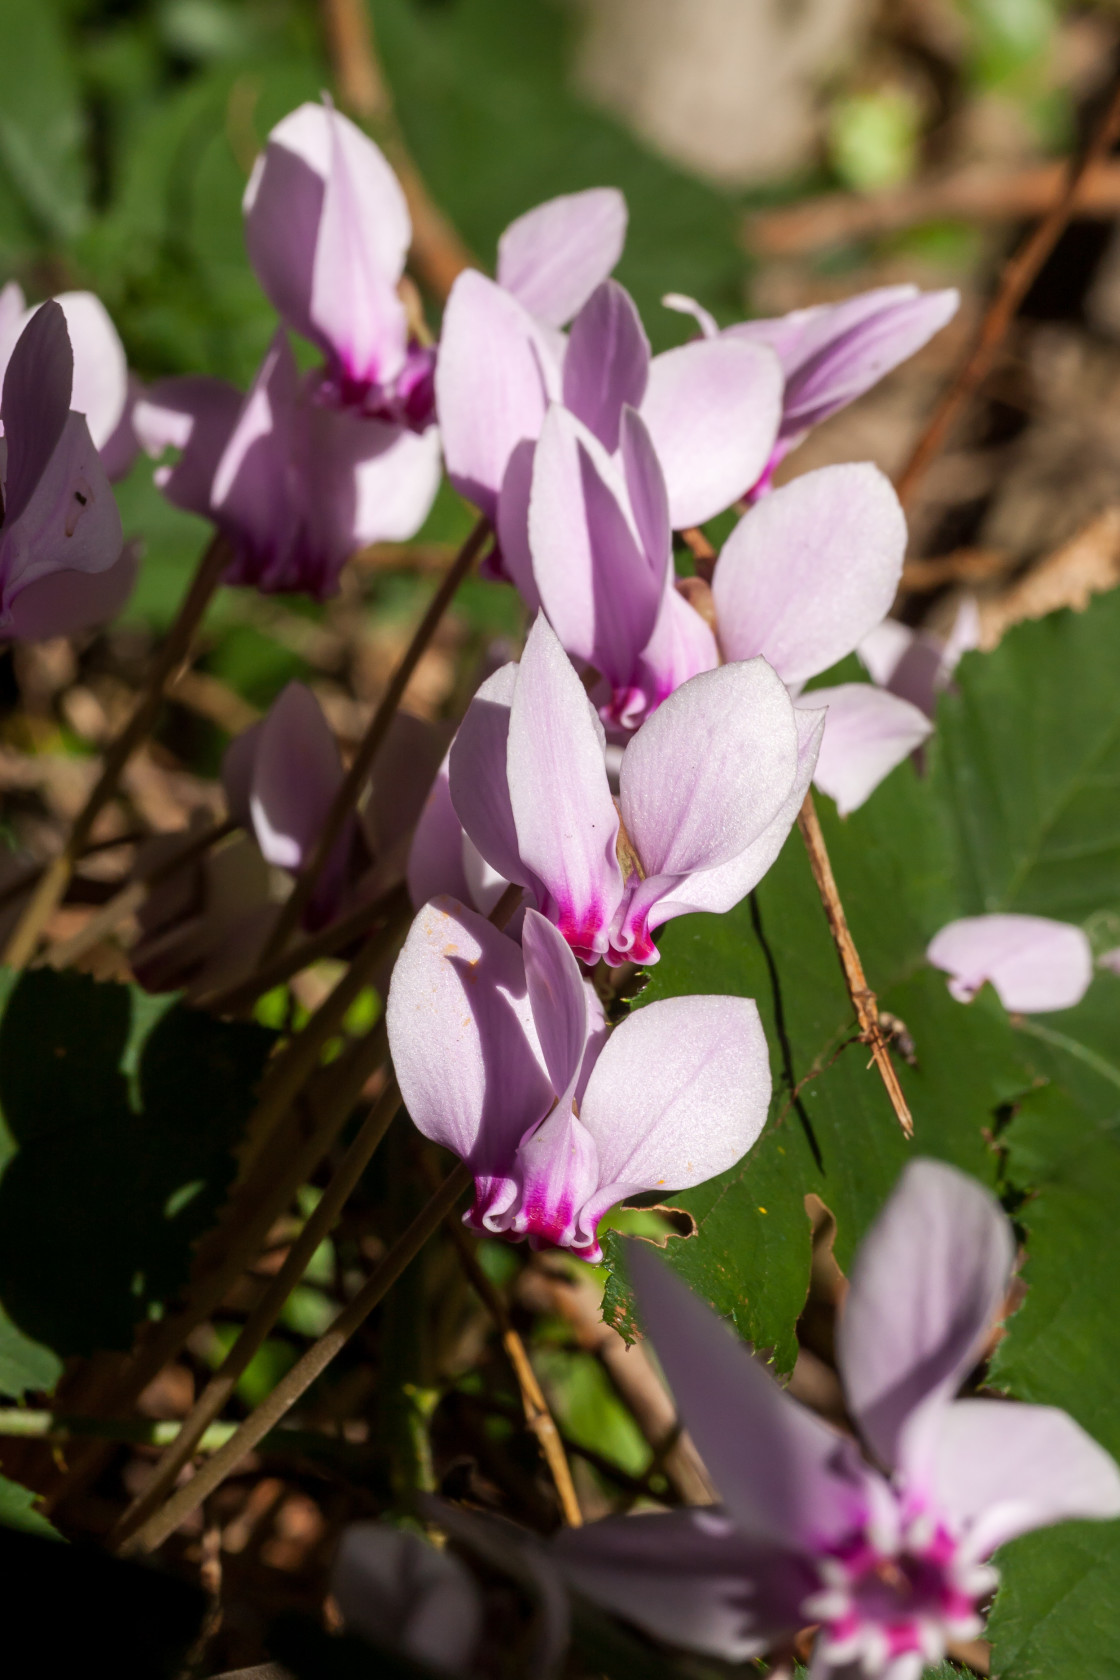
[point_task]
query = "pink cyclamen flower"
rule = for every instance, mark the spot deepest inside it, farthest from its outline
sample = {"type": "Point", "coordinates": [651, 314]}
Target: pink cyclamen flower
{"type": "Point", "coordinates": [1035, 964]}
{"type": "Point", "coordinates": [103, 390]}
{"type": "Point", "coordinates": [500, 1055]}
{"type": "Point", "coordinates": [708, 790]}
{"type": "Point", "coordinates": [395, 1589]}
{"type": "Point", "coordinates": [834, 352]}
{"type": "Point", "coordinates": [888, 1557]}
{"type": "Point", "coordinates": [803, 579]}
{"type": "Point", "coordinates": [712, 409]}
{"type": "Point", "coordinates": [328, 231]}
{"type": "Point", "coordinates": [297, 486]}
{"type": "Point", "coordinates": [915, 664]}
{"type": "Point", "coordinates": [63, 566]}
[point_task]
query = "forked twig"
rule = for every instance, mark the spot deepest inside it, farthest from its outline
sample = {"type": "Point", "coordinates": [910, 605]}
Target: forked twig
{"type": "Point", "coordinates": [863, 998]}
{"type": "Point", "coordinates": [1017, 278]}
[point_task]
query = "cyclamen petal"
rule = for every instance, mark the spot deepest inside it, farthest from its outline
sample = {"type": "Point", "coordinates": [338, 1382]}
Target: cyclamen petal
{"type": "Point", "coordinates": [1035, 964]}
{"type": "Point", "coordinates": [559, 1002]}
{"type": "Point", "coordinates": [810, 570]}
{"type": "Point", "coordinates": [606, 365]}
{"type": "Point", "coordinates": [395, 1589]}
{"type": "Point", "coordinates": [868, 733]}
{"type": "Point", "coordinates": [552, 258]}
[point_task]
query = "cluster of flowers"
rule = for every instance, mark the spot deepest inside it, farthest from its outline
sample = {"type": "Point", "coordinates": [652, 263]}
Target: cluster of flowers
{"type": "Point", "coordinates": [644, 759]}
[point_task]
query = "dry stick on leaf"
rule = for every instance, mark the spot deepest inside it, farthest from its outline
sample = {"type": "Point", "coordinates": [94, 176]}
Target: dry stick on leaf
{"type": "Point", "coordinates": [438, 255]}
{"type": "Point", "coordinates": [350, 788]}
{"type": "Point", "coordinates": [393, 909]}
{"type": "Point", "coordinates": [176, 647]}
{"type": "Point", "coordinates": [299, 1379]}
{"type": "Point", "coordinates": [1017, 278]}
{"type": "Point", "coordinates": [219, 1389]}
{"type": "Point", "coordinates": [538, 1417]}
{"type": "Point", "coordinates": [863, 998]}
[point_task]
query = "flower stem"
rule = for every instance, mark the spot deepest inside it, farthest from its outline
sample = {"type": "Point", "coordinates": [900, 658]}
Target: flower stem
{"type": "Point", "coordinates": [315, 1361]}
{"type": "Point", "coordinates": [863, 998]}
{"type": "Point", "coordinates": [53, 883]}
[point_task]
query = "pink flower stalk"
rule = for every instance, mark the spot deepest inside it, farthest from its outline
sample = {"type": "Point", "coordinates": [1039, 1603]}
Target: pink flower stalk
{"type": "Point", "coordinates": [297, 486]}
{"type": "Point", "coordinates": [834, 352]}
{"type": "Point", "coordinates": [328, 231]}
{"type": "Point", "coordinates": [1035, 964]}
{"type": "Point", "coordinates": [712, 409]}
{"type": "Point", "coordinates": [803, 579]}
{"type": "Point", "coordinates": [708, 790]}
{"type": "Point", "coordinates": [103, 389]}
{"type": "Point", "coordinates": [502, 1057]}
{"type": "Point", "coordinates": [281, 776]}
{"type": "Point", "coordinates": [887, 1555]}
{"type": "Point", "coordinates": [63, 566]}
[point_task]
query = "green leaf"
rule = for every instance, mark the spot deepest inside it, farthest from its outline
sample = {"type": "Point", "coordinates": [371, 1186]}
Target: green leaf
{"type": "Point", "coordinates": [119, 1112]}
{"type": "Point", "coordinates": [42, 132]}
{"type": "Point", "coordinates": [17, 1510]}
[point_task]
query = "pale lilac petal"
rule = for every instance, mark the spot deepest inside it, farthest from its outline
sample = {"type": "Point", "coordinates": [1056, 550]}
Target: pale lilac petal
{"type": "Point", "coordinates": [100, 366]}
{"type": "Point", "coordinates": [65, 603]}
{"type": "Point", "coordinates": [327, 230]}
{"type": "Point", "coordinates": [927, 1282]}
{"type": "Point", "coordinates": [712, 408]}
{"type": "Point", "coordinates": [395, 1589]}
{"type": "Point", "coordinates": [645, 486]}
{"type": "Point", "coordinates": [1035, 964]}
{"type": "Point", "coordinates": [833, 353]}
{"type": "Point", "coordinates": [462, 1038]}
{"type": "Point", "coordinates": [1110, 960]}
{"type": "Point", "coordinates": [477, 767]}
{"type": "Point", "coordinates": [607, 362]}
{"type": "Point", "coordinates": [681, 646]}
{"type": "Point", "coordinates": [297, 770]}
{"type": "Point", "coordinates": [810, 570]}
{"type": "Point", "coordinates": [408, 761]}
{"type": "Point", "coordinates": [495, 377]}
{"type": "Point", "coordinates": [435, 859]}
{"type": "Point", "coordinates": [70, 523]}
{"type": "Point", "coordinates": [786, 1477]}
{"type": "Point", "coordinates": [558, 1169]}
{"type": "Point", "coordinates": [514, 500]}
{"type": "Point", "coordinates": [35, 404]}
{"type": "Point", "coordinates": [868, 732]}
{"type": "Point", "coordinates": [197, 415]}
{"type": "Point", "coordinates": [709, 771]}
{"type": "Point", "coordinates": [599, 590]}
{"type": "Point", "coordinates": [688, 1577]}
{"type": "Point", "coordinates": [684, 305]}
{"type": "Point", "coordinates": [553, 257]}
{"type": "Point", "coordinates": [13, 309]}
{"type": "Point", "coordinates": [559, 1001]}
{"type": "Point", "coordinates": [566, 820]}
{"type": "Point", "coordinates": [679, 1093]}
{"type": "Point", "coordinates": [251, 484]}
{"type": "Point", "coordinates": [364, 235]}
{"type": "Point", "coordinates": [720, 889]}
{"type": "Point", "coordinates": [367, 481]}
{"type": "Point", "coordinates": [1002, 1469]}
{"type": "Point", "coordinates": [883, 647]}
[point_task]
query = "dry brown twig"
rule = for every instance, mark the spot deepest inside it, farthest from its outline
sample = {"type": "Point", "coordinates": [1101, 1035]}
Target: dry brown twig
{"type": "Point", "coordinates": [1018, 275]}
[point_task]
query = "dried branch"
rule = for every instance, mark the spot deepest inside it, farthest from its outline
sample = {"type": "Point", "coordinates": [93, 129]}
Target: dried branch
{"type": "Point", "coordinates": [1017, 278]}
{"type": "Point", "coordinates": [863, 998]}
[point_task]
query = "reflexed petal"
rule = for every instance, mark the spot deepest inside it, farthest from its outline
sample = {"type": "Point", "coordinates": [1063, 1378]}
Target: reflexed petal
{"type": "Point", "coordinates": [598, 588]}
{"type": "Point", "coordinates": [688, 1577]}
{"type": "Point", "coordinates": [100, 367]}
{"type": "Point", "coordinates": [66, 603]}
{"type": "Point", "coordinates": [395, 1589]}
{"type": "Point", "coordinates": [566, 820]}
{"type": "Point", "coordinates": [195, 414]}
{"type": "Point", "coordinates": [709, 771]}
{"type": "Point", "coordinates": [607, 362]}
{"type": "Point", "coordinates": [1035, 964]}
{"type": "Point", "coordinates": [559, 1002]}
{"type": "Point", "coordinates": [868, 733]}
{"type": "Point", "coordinates": [495, 377]}
{"type": "Point", "coordinates": [35, 404]}
{"type": "Point", "coordinates": [1001, 1469]}
{"type": "Point", "coordinates": [882, 648]}
{"type": "Point", "coordinates": [365, 481]}
{"type": "Point", "coordinates": [558, 1173]}
{"type": "Point", "coordinates": [720, 889]}
{"type": "Point", "coordinates": [462, 1038]}
{"type": "Point", "coordinates": [679, 1093]}
{"type": "Point", "coordinates": [553, 257]}
{"type": "Point", "coordinates": [785, 1476]}
{"type": "Point", "coordinates": [512, 527]}
{"type": "Point", "coordinates": [435, 860]}
{"type": "Point", "coordinates": [477, 766]}
{"type": "Point", "coordinates": [645, 486]}
{"type": "Point", "coordinates": [712, 409]}
{"type": "Point", "coordinates": [810, 570]}
{"type": "Point", "coordinates": [926, 1285]}
{"type": "Point", "coordinates": [70, 524]}
{"type": "Point", "coordinates": [682, 645]}
{"type": "Point", "coordinates": [296, 773]}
